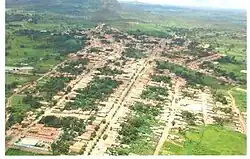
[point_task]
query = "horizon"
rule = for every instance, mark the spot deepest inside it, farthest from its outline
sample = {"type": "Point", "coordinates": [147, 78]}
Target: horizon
{"type": "Point", "coordinates": [220, 4]}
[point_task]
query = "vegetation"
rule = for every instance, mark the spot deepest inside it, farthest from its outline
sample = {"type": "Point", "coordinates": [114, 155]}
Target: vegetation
{"type": "Point", "coordinates": [154, 93]}
{"type": "Point", "coordinates": [171, 148]}
{"type": "Point", "coordinates": [97, 90]}
{"type": "Point", "coordinates": [44, 36]}
{"type": "Point", "coordinates": [220, 97]}
{"type": "Point", "coordinates": [133, 53]}
{"type": "Point", "coordinates": [189, 117]}
{"type": "Point", "coordinates": [74, 67]}
{"type": "Point", "coordinates": [221, 121]}
{"type": "Point", "coordinates": [223, 69]}
{"type": "Point", "coordinates": [72, 127]}
{"type": "Point", "coordinates": [105, 136]}
{"type": "Point", "coordinates": [40, 40]}
{"type": "Point", "coordinates": [53, 86]}
{"type": "Point", "coordinates": [39, 48]}
{"type": "Point", "coordinates": [60, 147]}
{"type": "Point", "coordinates": [192, 77]}
{"type": "Point", "coordinates": [74, 124]}
{"type": "Point", "coordinates": [12, 81]}
{"type": "Point", "coordinates": [240, 99]}
{"type": "Point", "coordinates": [209, 140]}
{"type": "Point", "coordinates": [95, 10]}
{"type": "Point", "coordinates": [165, 79]}
{"type": "Point", "coordinates": [109, 72]}
{"type": "Point", "coordinates": [136, 131]}
{"type": "Point", "coordinates": [16, 152]}
{"type": "Point", "coordinates": [21, 105]}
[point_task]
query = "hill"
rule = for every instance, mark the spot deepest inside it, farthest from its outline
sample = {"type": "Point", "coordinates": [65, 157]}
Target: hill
{"type": "Point", "coordinates": [90, 9]}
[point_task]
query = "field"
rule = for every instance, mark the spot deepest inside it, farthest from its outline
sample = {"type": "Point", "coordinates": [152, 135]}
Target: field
{"type": "Point", "coordinates": [13, 80]}
{"type": "Point", "coordinates": [240, 99]}
{"type": "Point", "coordinates": [20, 79]}
{"type": "Point", "coordinates": [210, 140]}
{"type": "Point", "coordinates": [18, 110]}
{"type": "Point", "coordinates": [40, 40]}
{"type": "Point", "coordinates": [16, 152]}
{"type": "Point", "coordinates": [224, 30]}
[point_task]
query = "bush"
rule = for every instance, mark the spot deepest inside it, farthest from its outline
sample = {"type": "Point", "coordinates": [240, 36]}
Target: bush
{"type": "Point", "coordinates": [104, 121]}
{"type": "Point", "coordinates": [105, 136]}
{"type": "Point", "coordinates": [97, 128]}
{"type": "Point", "coordinates": [93, 135]}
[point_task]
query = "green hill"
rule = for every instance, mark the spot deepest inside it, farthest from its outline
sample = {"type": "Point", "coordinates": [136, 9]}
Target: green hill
{"type": "Point", "coordinates": [90, 9]}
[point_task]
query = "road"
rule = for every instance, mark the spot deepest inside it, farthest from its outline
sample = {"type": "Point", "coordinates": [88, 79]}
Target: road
{"type": "Point", "coordinates": [24, 73]}
{"type": "Point", "coordinates": [170, 120]}
{"type": "Point", "coordinates": [118, 111]}
{"type": "Point", "coordinates": [236, 110]}
{"type": "Point", "coordinates": [25, 130]}
{"type": "Point", "coordinates": [204, 108]}
{"type": "Point", "coordinates": [240, 89]}
{"type": "Point", "coordinates": [196, 63]}
{"type": "Point", "coordinates": [9, 103]}
{"type": "Point", "coordinates": [60, 101]}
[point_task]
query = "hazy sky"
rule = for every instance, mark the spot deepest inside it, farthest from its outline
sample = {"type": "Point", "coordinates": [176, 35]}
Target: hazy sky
{"type": "Point", "coordinates": [239, 4]}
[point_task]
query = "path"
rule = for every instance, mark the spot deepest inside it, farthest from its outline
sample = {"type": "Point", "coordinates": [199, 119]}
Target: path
{"type": "Point", "coordinates": [236, 110]}
{"type": "Point", "coordinates": [196, 63]}
{"type": "Point", "coordinates": [119, 109]}
{"type": "Point", "coordinates": [204, 108]}
{"type": "Point", "coordinates": [240, 89]}
{"type": "Point", "coordinates": [171, 119]}
{"type": "Point", "coordinates": [9, 103]}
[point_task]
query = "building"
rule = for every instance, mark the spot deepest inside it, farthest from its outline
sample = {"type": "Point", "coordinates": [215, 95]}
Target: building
{"type": "Point", "coordinates": [45, 134]}
{"type": "Point", "coordinates": [76, 147]}
{"type": "Point", "coordinates": [28, 141]}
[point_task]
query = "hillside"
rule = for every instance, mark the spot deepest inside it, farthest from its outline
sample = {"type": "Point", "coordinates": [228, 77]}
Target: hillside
{"type": "Point", "coordinates": [87, 8]}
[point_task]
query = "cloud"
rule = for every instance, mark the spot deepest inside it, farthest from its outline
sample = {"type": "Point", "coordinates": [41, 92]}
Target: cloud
{"type": "Point", "coordinates": [238, 4]}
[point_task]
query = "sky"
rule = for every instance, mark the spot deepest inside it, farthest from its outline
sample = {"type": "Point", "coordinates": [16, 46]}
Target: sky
{"type": "Point", "coordinates": [234, 4]}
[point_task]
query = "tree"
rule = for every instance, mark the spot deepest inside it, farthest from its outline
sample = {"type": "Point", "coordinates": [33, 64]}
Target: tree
{"type": "Point", "coordinates": [105, 136]}
{"type": "Point", "coordinates": [97, 128]}
{"type": "Point", "coordinates": [69, 88]}
{"type": "Point", "coordinates": [82, 150]}
{"type": "Point", "coordinates": [53, 147]}
{"type": "Point", "coordinates": [93, 135]}
{"type": "Point", "coordinates": [103, 121]}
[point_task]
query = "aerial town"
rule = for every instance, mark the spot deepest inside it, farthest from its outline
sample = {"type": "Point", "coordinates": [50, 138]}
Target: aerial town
{"type": "Point", "coordinates": [119, 89]}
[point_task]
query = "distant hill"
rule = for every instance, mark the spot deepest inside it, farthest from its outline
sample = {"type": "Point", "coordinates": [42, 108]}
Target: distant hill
{"type": "Point", "coordinates": [107, 9]}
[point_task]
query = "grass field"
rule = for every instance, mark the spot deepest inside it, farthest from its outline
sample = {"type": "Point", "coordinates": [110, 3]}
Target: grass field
{"type": "Point", "coordinates": [16, 79]}
{"type": "Point", "coordinates": [25, 50]}
{"type": "Point", "coordinates": [170, 148]}
{"type": "Point", "coordinates": [16, 152]}
{"type": "Point", "coordinates": [240, 99]}
{"type": "Point", "coordinates": [209, 140]}
{"type": "Point", "coordinates": [20, 79]}
{"type": "Point", "coordinates": [18, 110]}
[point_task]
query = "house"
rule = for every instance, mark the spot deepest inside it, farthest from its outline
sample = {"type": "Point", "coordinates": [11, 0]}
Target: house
{"type": "Point", "coordinates": [76, 147]}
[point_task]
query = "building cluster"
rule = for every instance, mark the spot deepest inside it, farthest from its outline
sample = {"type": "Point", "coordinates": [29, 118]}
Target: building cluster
{"type": "Point", "coordinates": [103, 131]}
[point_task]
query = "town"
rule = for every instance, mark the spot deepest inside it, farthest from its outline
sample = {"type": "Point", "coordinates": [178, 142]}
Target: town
{"type": "Point", "coordinates": [121, 88]}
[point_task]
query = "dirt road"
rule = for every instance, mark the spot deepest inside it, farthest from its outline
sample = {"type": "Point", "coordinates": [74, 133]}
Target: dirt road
{"type": "Point", "coordinates": [170, 120]}
{"type": "Point", "coordinates": [114, 116]}
{"type": "Point", "coordinates": [240, 89]}
{"type": "Point", "coordinates": [204, 108]}
{"type": "Point", "coordinates": [9, 103]}
{"type": "Point", "coordinates": [236, 110]}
